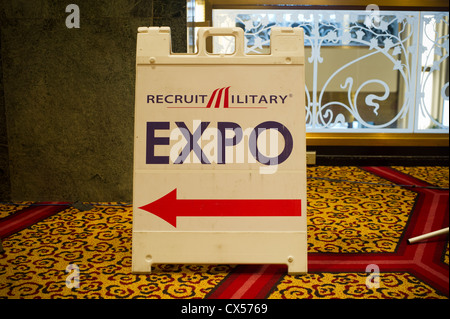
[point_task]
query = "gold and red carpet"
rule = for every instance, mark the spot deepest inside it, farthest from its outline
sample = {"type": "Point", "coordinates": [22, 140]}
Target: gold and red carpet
{"type": "Point", "coordinates": [359, 220]}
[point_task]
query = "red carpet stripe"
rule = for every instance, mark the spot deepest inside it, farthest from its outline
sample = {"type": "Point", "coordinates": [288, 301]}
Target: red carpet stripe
{"type": "Point", "coordinates": [423, 260]}
{"type": "Point", "coordinates": [246, 288]}
{"type": "Point", "coordinates": [29, 216]}
{"type": "Point", "coordinates": [268, 280]}
{"type": "Point", "coordinates": [233, 281]}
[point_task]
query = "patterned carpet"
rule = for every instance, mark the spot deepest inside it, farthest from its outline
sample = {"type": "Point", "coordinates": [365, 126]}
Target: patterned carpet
{"type": "Point", "coordinates": [359, 219]}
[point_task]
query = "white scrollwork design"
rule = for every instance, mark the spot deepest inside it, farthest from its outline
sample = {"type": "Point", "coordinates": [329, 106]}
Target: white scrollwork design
{"type": "Point", "coordinates": [372, 102]}
{"type": "Point", "coordinates": [433, 107]}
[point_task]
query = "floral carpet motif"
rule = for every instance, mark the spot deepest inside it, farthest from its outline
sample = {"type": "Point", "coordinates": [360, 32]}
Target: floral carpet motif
{"type": "Point", "coordinates": [98, 245]}
{"type": "Point", "coordinates": [349, 217]}
{"type": "Point", "coordinates": [353, 286]}
{"type": "Point", "coordinates": [356, 217]}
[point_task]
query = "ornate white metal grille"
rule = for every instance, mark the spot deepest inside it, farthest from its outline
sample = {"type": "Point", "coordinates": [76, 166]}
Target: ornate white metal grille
{"type": "Point", "coordinates": [366, 71]}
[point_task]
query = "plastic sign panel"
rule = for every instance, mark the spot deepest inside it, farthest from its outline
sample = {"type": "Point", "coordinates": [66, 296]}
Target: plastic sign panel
{"type": "Point", "coordinates": [220, 154]}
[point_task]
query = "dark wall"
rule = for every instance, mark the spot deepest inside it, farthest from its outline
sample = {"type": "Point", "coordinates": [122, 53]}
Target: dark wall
{"type": "Point", "coordinates": [5, 186]}
{"type": "Point", "coordinates": [67, 96]}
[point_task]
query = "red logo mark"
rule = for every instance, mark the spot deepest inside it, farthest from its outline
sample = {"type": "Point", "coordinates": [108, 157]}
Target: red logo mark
{"type": "Point", "coordinates": [219, 98]}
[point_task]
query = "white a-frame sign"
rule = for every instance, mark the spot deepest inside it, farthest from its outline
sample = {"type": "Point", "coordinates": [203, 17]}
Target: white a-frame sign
{"type": "Point", "coordinates": [220, 154]}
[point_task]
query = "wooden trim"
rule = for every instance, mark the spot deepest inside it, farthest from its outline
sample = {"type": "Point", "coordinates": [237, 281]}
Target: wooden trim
{"type": "Point", "coordinates": [427, 5]}
{"type": "Point", "coordinates": [377, 139]}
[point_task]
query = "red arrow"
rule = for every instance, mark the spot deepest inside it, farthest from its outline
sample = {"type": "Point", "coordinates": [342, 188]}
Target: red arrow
{"type": "Point", "coordinates": [169, 207]}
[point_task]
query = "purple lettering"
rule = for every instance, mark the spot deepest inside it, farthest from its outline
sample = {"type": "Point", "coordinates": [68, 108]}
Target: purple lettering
{"type": "Point", "coordinates": [166, 99]}
{"type": "Point", "coordinates": [152, 141]}
{"type": "Point", "coordinates": [273, 99]}
{"type": "Point", "coordinates": [222, 141]}
{"type": "Point", "coordinates": [186, 99]}
{"type": "Point", "coordinates": [262, 99]}
{"type": "Point", "coordinates": [192, 144]}
{"type": "Point", "coordinates": [288, 143]}
{"type": "Point", "coordinates": [203, 96]}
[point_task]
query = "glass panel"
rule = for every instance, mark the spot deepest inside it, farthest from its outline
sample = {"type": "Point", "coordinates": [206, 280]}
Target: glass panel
{"type": "Point", "coordinates": [195, 14]}
{"type": "Point", "coordinates": [432, 95]}
{"type": "Point", "coordinates": [195, 10]}
{"type": "Point", "coordinates": [223, 44]}
{"type": "Point", "coordinates": [361, 66]}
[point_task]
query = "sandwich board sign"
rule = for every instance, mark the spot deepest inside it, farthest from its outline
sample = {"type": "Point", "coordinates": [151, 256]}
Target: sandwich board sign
{"type": "Point", "coordinates": [219, 153]}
